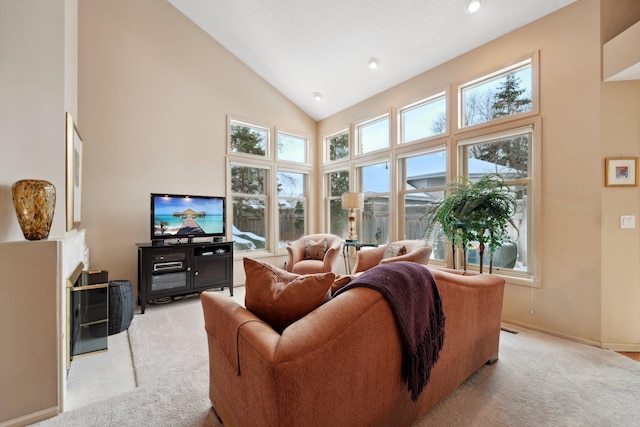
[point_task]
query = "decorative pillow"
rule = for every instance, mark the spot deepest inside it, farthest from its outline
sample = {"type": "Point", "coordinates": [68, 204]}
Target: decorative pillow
{"type": "Point", "coordinates": [339, 282]}
{"type": "Point", "coordinates": [279, 297]}
{"type": "Point", "coordinates": [315, 250]}
{"type": "Point", "coordinates": [394, 250]}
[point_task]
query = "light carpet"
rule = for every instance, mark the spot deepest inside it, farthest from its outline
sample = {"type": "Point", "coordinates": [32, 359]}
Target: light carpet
{"type": "Point", "coordinates": [539, 380]}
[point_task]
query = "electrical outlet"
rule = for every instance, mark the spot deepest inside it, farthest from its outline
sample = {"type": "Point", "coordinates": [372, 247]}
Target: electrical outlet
{"type": "Point", "coordinates": [628, 221]}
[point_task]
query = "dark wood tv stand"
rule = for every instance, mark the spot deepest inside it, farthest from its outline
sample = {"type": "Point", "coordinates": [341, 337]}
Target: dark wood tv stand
{"type": "Point", "coordinates": [174, 270]}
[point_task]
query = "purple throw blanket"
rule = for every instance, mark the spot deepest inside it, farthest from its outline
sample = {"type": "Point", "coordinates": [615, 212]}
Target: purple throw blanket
{"type": "Point", "coordinates": [412, 294]}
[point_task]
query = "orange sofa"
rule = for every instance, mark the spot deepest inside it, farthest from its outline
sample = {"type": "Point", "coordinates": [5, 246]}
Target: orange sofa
{"type": "Point", "coordinates": [340, 364]}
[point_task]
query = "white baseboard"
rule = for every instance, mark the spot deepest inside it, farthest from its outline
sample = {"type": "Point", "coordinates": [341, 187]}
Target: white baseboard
{"type": "Point", "coordinates": [31, 418]}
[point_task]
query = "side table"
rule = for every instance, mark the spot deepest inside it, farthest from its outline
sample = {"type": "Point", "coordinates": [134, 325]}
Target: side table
{"type": "Point", "coordinates": [352, 244]}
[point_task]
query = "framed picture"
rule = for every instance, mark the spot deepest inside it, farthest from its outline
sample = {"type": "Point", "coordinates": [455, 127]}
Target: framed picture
{"type": "Point", "coordinates": [621, 172]}
{"type": "Point", "coordinates": [74, 174]}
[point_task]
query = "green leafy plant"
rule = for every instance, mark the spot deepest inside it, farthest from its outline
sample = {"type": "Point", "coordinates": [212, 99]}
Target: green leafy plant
{"type": "Point", "coordinates": [478, 211]}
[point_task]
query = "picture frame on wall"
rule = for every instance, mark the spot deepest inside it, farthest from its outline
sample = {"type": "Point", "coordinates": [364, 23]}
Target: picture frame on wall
{"type": "Point", "coordinates": [73, 174]}
{"type": "Point", "coordinates": [621, 172]}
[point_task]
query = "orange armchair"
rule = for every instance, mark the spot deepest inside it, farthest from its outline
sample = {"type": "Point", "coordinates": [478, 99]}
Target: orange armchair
{"type": "Point", "coordinates": [314, 253]}
{"type": "Point", "coordinates": [415, 251]}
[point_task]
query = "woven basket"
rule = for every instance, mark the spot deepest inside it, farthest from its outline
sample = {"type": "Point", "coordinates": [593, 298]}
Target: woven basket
{"type": "Point", "coordinates": [121, 305]}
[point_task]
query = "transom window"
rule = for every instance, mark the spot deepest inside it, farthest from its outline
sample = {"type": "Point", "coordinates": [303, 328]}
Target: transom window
{"type": "Point", "coordinates": [423, 120]}
{"type": "Point", "coordinates": [504, 93]}
{"type": "Point", "coordinates": [337, 146]}
{"type": "Point", "coordinates": [248, 139]}
{"type": "Point", "coordinates": [292, 148]}
{"type": "Point", "coordinates": [373, 135]}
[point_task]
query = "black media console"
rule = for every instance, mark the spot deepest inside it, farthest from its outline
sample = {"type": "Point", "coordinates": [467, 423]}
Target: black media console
{"type": "Point", "coordinates": [174, 270]}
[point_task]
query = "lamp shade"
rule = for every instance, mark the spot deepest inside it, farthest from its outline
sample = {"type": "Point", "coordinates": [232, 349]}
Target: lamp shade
{"type": "Point", "coordinates": [352, 200]}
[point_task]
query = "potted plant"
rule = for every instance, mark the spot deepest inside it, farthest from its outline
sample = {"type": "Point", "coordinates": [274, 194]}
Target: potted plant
{"type": "Point", "coordinates": [478, 211]}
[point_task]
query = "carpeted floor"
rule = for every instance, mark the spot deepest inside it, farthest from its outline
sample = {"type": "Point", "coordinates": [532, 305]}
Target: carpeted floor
{"type": "Point", "coordinates": [539, 381]}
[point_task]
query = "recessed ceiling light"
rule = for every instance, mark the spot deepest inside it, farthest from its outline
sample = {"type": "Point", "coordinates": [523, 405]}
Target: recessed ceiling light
{"type": "Point", "coordinates": [374, 63]}
{"type": "Point", "coordinates": [317, 96]}
{"type": "Point", "coordinates": [473, 6]}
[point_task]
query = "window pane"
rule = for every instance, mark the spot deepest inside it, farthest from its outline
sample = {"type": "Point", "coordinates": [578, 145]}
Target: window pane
{"type": "Point", "coordinates": [376, 178]}
{"type": "Point", "coordinates": [416, 209]}
{"type": "Point", "coordinates": [374, 136]}
{"type": "Point", "coordinates": [508, 157]}
{"type": "Point", "coordinates": [292, 216]}
{"type": "Point", "coordinates": [338, 219]}
{"type": "Point", "coordinates": [249, 223]}
{"type": "Point", "coordinates": [504, 95]}
{"type": "Point", "coordinates": [248, 180]}
{"type": "Point", "coordinates": [513, 252]}
{"type": "Point", "coordinates": [338, 183]}
{"type": "Point", "coordinates": [426, 171]}
{"type": "Point", "coordinates": [248, 139]}
{"type": "Point", "coordinates": [375, 220]}
{"type": "Point", "coordinates": [291, 184]}
{"type": "Point", "coordinates": [338, 146]}
{"type": "Point", "coordinates": [292, 148]}
{"type": "Point", "coordinates": [424, 120]}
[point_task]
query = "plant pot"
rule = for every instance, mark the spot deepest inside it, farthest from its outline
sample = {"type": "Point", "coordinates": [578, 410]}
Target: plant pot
{"type": "Point", "coordinates": [35, 202]}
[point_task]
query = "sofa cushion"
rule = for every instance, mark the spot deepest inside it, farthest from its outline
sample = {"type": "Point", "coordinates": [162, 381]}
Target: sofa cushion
{"type": "Point", "coordinates": [315, 250]}
{"type": "Point", "coordinates": [394, 250]}
{"type": "Point", "coordinates": [279, 297]}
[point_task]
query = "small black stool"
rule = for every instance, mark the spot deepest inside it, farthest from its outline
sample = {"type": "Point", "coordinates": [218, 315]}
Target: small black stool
{"type": "Point", "coordinates": [121, 305]}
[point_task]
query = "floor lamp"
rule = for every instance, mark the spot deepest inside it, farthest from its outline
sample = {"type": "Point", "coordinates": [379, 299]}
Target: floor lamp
{"type": "Point", "coordinates": [352, 201]}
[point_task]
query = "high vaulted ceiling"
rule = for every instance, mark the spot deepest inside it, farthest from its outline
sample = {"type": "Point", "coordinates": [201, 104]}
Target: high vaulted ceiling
{"type": "Point", "coordinates": [303, 47]}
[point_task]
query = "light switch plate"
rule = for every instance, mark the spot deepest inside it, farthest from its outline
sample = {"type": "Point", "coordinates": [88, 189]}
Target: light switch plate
{"type": "Point", "coordinates": [628, 221]}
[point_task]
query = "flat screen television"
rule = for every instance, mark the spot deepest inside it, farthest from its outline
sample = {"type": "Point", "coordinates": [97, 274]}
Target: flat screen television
{"type": "Point", "coordinates": [179, 216]}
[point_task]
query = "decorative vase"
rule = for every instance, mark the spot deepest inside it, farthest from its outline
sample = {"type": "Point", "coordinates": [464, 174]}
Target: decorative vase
{"type": "Point", "coordinates": [35, 202]}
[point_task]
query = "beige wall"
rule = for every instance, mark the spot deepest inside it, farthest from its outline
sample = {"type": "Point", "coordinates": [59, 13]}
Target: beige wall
{"type": "Point", "coordinates": [154, 95]}
{"type": "Point", "coordinates": [589, 276]}
{"type": "Point", "coordinates": [38, 85]}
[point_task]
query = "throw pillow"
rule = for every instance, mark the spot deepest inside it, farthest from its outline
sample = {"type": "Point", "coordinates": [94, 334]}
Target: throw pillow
{"type": "Point", "coordinates": [394, 250]}
{"type": "Point", "coordinates": [339, 282]}
{"type": "Point", "coordinates": [315, 250]}
{"type": "Point", "coordinates": [280, 298]}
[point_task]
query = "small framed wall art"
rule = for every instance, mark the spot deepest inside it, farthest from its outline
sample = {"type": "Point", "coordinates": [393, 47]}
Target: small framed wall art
{"type": "Point", "coordinates": [74, 173]}
{"type": "Point", "coordinates": [621, 172]}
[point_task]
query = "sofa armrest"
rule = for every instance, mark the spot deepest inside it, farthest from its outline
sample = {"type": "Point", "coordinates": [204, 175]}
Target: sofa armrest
{"type": "Point", "coordinates": [368, 258]}
{"type": "Point", "coordinates": [296, 253]}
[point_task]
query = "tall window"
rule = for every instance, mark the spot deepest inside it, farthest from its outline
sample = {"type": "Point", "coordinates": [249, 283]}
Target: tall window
{"type": "Point", "coordinates": [337, 183]}
{"type": "Point", "coordinates": [507, 154]}
{"type": "Point", "coordinates": [269, 186]}
{"type": "Point", "coordinates": [249, 199]}
{"type": "Point", "coordinates": [292, 206]}
{"type": "Point", "coordinates": [373, 135]}
{"type": "Point", "coordinates": [424, 178]}
{"type": "Point", "coordinates": [505, 93]}
{"type": "Point", "coordinates": [375, 183]}
{"type": "Point", "coordinates": [424, 119]}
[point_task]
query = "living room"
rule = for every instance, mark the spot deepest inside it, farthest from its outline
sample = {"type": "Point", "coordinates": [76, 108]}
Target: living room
{"type": "Point", "coordinates": [152, 95]}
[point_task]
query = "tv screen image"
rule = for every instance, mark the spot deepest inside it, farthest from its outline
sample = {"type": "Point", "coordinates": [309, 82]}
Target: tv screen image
{"type": "Point", "coordinates": [176, 216]}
